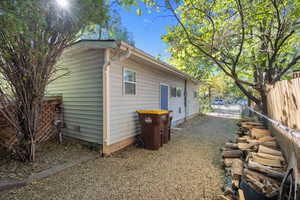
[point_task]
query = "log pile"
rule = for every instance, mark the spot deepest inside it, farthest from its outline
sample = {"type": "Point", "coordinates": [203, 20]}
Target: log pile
{"type": "Point", "coordinates": [253, 158]}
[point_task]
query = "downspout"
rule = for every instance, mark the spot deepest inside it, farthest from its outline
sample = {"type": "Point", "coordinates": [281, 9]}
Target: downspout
{"type": "Point", "coordinates": [185, 99]}
{"type": "Point", "coordinates": [105, 94]}
{"type": "Point", "coordinates": [106, 102]}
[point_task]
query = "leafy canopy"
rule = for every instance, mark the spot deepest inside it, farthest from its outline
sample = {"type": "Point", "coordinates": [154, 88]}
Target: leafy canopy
{"type": "Point", "coordinates": [33, 35]}
{"type": "Point", "coordinates": [252, 42]}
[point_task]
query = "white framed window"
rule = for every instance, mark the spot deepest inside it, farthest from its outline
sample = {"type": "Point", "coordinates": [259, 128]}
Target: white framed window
{"type": "Point", "coordinates": [176, 92]}
{"type": "Point", "coordinates": [129, 82]}
{"type": "Point", "coordinates": [173, 91]}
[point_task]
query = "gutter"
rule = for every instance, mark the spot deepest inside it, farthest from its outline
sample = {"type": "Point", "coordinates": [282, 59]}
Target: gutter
{"type": "Point", "coordinates": [142, 54]}
{"type": "Point", "coordinates": [113, 44]}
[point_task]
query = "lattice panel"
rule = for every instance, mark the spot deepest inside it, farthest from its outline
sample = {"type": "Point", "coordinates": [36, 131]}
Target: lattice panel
{"type": "Point", "coordinates": [51, 111]}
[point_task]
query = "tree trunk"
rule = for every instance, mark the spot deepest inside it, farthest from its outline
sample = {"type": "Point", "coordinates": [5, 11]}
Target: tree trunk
{"type": "Point", "coordinates": [29, 117]}
{"type": "Point", "coordinates": [264, 103]}
{"type": "Point", "coordinates": [209, 94]}
{"type": "Point", "coordinates": [264, 106]}
{"type": "Point", "coordinates": [27, 151]}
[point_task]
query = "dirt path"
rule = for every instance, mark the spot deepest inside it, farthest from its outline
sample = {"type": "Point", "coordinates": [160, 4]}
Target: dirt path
{"type": "Point", "coordinates": [186, 168]}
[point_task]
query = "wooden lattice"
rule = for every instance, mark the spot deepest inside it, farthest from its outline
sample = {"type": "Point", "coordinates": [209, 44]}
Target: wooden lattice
{"type": "Point", "coordinates": [47, 130]}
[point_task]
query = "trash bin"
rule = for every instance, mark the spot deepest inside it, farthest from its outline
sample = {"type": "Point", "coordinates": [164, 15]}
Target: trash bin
{"type": "Point", "coordinates": [167, 128]}
{"type": "Point", "coordinates": [169, 125]}
{"type": "Point", "coordinates": [153, 126]}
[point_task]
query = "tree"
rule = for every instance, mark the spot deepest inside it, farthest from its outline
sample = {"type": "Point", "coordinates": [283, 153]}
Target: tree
{"type": "Point", "coordinates": [33, 35]}
{"type": "Point", "coordinates": [112, 28]}
{"type": "Point", "coordinates": [239, 37]}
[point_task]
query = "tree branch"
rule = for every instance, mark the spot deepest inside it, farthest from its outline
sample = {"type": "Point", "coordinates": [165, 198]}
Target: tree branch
{"type": "Point", "coordinates": [240, 9]}
{"type": "Point", "coordinates": [289, 66]}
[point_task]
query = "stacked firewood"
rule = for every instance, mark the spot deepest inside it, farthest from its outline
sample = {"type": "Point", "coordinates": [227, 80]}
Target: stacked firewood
{"type": "Point", "coordinates": [255, 159]}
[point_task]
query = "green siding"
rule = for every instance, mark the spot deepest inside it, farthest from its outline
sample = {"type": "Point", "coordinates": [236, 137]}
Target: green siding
{"type": "Point", "coordinates": [81, 90]}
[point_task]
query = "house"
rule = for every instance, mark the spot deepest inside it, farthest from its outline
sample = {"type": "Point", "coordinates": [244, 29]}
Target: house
{"type": "Point", "coordinates": [108, 81]}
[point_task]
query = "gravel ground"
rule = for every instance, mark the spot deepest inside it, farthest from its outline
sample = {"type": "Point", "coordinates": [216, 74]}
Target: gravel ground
{"type": "Point", "coordinates": [48, 155]}
{"type": "Point", "coordinates": [186, 168]}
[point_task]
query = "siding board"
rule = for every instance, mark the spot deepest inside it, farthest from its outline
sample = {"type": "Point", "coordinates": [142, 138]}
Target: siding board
{"type": "Point", "coordinates": [81, 90]}
{"type": "Point", "coordinates": [193, 105]}
{"type": "Point", "coordinates": [123, 117]}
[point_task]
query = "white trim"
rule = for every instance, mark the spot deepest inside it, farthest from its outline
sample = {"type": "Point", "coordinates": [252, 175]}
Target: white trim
{"type": "Point", "coordinates": [123, 81]}
{"type": "Point", "coordinates": [164, 84]}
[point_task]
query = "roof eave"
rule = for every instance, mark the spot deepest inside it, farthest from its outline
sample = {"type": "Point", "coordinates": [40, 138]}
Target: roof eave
{"type": "Point", "coordinates": [153, 60]}
{"type": "Point", "coordinates": [113, 44]}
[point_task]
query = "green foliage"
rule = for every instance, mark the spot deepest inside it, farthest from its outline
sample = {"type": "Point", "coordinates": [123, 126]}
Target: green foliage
{"type": "Point", "coordinates": [33, 35]}
{"type": "Point", "coordinates": [252, 42]}
{"type": "Point", "coordinates": [117, 31]}
{"type": "Point", "coordinates": [139, 12]}
{"type": "Point", "coordinates": [111, 28]}
{"type": "Point", "coordinates": [32, 19]}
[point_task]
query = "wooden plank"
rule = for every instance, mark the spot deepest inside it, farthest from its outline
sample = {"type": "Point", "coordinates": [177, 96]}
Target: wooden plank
{"type": "Point", "coordinates": [232, 154]}
{"type": "Point", "coordinates": [46, 129]}
{"type": "Point", "coordinates": [231, 145]}
{"type": "Point", "coordinates": [253, 123]}
{"type": "Point", "coordinates": [260, 176]}
{"type": "Point", "coordinates": [243, 139]}
{"type": "Point", "coordinates": [222, 197]}
{"type": "Point", "coordinates": [249, 126]}
{"type": "Point", "coordinates": [267, 150]}
{"type": "Point", "coordinates": [237, 167]}
{"type": "Point", "coordinates": [270, 144]}
{"type": "Point", "coordinates": [228, 161]}
{"type": "Point", "coordinates": [245, 146]}
{"type": "Point", "coordinates": [268, 171]}
{"type": "Point", "coordinates": [267, 139]}
{"type": "Point", "coordinates": [270, 156]}
{"type": "Point", "coordinates": [241, 194]}
{"type": "Point", "coordinates": [259, 133]}
{"type": "Point", "coordinates": [119, 145]}
{"type": "Point", "coordinates": [226, 149]}
{"type": "Point", "coordinates": [267, 162]}
{"type": "Point", "coordinates": [284, 101]}
{"type": "Point", "coordinates": [255, 182]}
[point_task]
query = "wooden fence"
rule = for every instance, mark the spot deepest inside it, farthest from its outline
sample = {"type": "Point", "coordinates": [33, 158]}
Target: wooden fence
{"type": "Point", "coordinates": [51, 111]}
{"type": "Point", "coordinates": [284, 102]}
{"type": "Point", "coordinates": [284, 107]}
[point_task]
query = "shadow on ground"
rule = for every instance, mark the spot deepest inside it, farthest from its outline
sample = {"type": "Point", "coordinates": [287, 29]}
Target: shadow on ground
{"type": "Point", "coordinates": [186, 168]}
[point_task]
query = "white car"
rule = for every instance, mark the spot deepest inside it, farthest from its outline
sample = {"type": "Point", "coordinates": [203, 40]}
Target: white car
{"type": "Point", "coordinates": [243, 102]}
{"type": "Point", "coordinates": [218, 102]}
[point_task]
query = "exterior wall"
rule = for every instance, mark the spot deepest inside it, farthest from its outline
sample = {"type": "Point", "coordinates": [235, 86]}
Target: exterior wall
{"type": "Point", "coordinates": [123, 116]}
{"type": "Point", "coordinates": [81, 91]}
{"type": "Point", "coordinates": [193, 104]}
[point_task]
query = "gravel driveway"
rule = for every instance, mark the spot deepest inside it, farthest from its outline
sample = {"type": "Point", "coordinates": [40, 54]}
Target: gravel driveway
{"type": "Point", "coordinates": [186, 168]}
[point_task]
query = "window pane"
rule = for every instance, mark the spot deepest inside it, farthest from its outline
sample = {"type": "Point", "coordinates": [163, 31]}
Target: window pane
{"type": "Point", "coordinates": [173, 91]}
{"type": "Point", "coordinates": [178, 92]}
{"type": "Point", "coordinates": [129, 76]}
{"type": "Point", "coordinates": [129, 88]}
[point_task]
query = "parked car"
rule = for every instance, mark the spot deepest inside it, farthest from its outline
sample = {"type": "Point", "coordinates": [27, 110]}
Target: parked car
{"type": "Point", "coordinates": [218, 102]}
{"type": "Point", "coordinates": [242, 102]}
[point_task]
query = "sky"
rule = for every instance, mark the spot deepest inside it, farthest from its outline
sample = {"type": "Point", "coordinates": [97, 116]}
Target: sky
{"type": "Point", "coordinates": [147, 29]}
